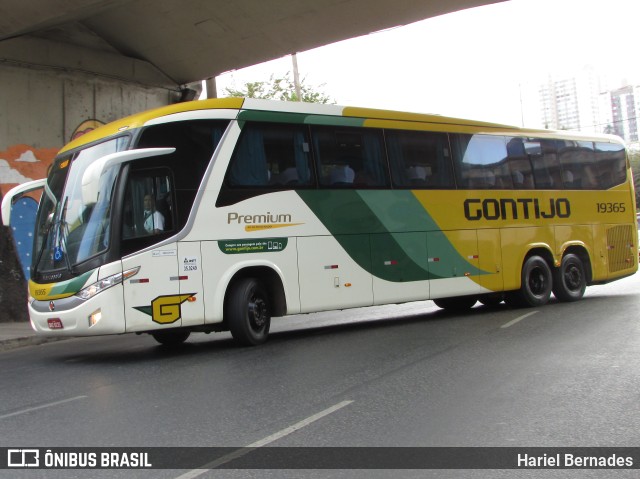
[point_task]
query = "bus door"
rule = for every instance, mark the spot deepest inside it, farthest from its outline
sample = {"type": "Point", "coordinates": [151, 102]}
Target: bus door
{"type": "Point", "coordinates": [453, 263]}
{"type": "Point", "coordinates": [152, 297]}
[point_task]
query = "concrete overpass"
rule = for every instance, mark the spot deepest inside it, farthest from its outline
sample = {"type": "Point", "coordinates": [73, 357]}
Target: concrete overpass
{"type": "Point", "coordinates": [174, 42]}
{"type": "Point", "coordinates": [69, 65]}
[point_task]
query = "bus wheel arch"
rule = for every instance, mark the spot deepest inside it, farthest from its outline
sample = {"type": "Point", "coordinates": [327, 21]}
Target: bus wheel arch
{"type": "Point", "coordinates": [570, 278]}
{"type": "Point", "coordinates": [536, 280]}
{"type": "Point", "coordinates": [253, 296]}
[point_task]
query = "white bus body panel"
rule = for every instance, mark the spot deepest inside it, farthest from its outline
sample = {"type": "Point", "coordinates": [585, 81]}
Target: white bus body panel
{"type": "Point", "coordinates": [150, 297]}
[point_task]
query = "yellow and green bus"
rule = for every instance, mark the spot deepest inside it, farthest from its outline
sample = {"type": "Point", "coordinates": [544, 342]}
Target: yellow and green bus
{"type": "Point", "coordinates": [220, 214]}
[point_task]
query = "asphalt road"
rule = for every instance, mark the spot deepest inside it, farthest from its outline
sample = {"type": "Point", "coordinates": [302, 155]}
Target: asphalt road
{"type": "Point", "coordinates": [405, 375]}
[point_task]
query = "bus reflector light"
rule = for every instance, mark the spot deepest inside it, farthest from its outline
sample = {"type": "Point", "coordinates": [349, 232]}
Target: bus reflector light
{"type": "Point", "coordinates": [95, 317]}
{"type": "Point", "coordinates": [55, 323]}
{"type": "Point", "coordinates": [191, 299]}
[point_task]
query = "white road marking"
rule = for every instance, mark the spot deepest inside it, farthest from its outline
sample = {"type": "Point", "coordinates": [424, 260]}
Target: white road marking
{"type": "Point", "coordinates": [24, 411]}
{"type": "Point", "coordinates": [518, 319]}
{"type": "Point", "coordinates": [262, 442]}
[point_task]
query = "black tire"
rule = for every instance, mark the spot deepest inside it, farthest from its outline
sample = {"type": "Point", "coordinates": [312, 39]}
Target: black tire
{"type": "Point", "coordinates": [171, 337]}
{"type": "Point", "coordinates": [492, 299]}
{"type": "Point", "coordinates": [248, 312]}
{"type": "Point", "coordinates": [536, 284]}
{"type": "Point", "coordinates": [569, 280]}
{"type": "Point", "coordinates": [457, 303]}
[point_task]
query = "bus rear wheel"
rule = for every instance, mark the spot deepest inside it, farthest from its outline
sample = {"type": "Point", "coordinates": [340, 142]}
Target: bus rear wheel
{"type": "Point", "coordinates": [536, 284]}
{"type": "Point", "coordinates": [569, 281]}
{"type": "Point", "coordinates": [171, 337]}
{"type": "Point", "coordinates": [458, 303]}
{"type": "Point", "coordinates": [248, 312]}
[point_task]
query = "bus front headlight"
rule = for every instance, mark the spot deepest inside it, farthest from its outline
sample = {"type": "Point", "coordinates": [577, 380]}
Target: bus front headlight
{"type": "Point", "coordinates": [106, 283]}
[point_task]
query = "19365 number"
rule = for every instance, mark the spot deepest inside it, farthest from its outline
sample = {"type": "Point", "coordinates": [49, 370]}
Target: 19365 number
{"type": "Point", "coordinates": [611, 207]}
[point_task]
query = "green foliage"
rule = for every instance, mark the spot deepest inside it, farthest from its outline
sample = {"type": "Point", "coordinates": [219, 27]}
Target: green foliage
{"type": "Point", "coordinates": [282, 89]}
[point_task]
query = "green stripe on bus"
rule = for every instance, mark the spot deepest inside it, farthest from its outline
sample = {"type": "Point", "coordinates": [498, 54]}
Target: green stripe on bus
{"type": "Point", "coordinates": [71, 286]}
{"type": "Point", "coordinates": [399, 230]}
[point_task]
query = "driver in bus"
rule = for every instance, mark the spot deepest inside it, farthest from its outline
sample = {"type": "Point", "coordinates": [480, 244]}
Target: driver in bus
{"type": "Point", "coordinates": [153, 219]}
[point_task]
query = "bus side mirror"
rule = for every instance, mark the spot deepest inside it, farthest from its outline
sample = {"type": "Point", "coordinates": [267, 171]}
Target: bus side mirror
{"type": "Point", "coordinates": [91, 176]}
{"type": "Point", "coordinates": [15, 193]}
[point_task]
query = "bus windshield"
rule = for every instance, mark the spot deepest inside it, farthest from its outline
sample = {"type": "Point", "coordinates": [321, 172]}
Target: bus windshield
{"type": "Point", "coordinates": [68, 229]}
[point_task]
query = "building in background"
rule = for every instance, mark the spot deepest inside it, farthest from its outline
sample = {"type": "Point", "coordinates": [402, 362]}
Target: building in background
{"type": "Point", "coordinates": [592, 103]}
{"type": "Point", "coordinates": [571, 101]}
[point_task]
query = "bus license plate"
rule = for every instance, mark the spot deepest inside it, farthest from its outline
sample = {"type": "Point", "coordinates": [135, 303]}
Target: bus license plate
{"type": "Point", "coordinates": [55, 323]}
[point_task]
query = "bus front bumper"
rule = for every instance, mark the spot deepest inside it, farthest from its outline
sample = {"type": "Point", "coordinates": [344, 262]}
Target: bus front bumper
{"type": "Point", "coordinates": [72, 316]}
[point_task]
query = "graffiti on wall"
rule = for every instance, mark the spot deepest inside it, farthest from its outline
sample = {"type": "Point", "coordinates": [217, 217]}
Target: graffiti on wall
{"type": "Point", "coordinates": [21, 163]}
{"type": "Point", "coordinates": [85, 127]}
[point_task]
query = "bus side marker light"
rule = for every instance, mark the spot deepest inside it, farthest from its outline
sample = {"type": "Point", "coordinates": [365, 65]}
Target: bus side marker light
{"type": "Point", "coordinates": [467, 274]}
{"type": "Point", "coordinates": [392, 262]}
{"type": "Point", "coordinates": [331, 266]}
{"type": "Point", "coordinates": [191, 299]}
{"type": "Point", "coordinates": [95, 317]}
{"type": "Point", "coordinates": [347, 285]}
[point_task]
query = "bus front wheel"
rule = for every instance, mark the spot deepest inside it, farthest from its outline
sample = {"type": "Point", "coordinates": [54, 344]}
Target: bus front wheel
{"type": "Point", "coordinates": [248, 312]}
{"type": "Point", "coordinates": [569, 281]}
{"type": "Point", "coordinates": [536, 284]}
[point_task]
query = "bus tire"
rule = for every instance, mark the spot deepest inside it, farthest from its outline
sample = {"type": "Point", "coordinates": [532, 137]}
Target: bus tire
{"type": "Point", "coordinates": [457, 303]}
{"type": "Point", "coordinates": [536, 284]}
{"type": "Point", "coordinates": [171, 337]}
{"type": "Point", "coordinates": [248, 312]}
{"type": "Point", "coordinates": [569, 280]}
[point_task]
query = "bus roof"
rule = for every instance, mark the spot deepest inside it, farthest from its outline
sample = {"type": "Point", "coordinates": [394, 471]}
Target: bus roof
{"type": "Point", "coordinates": [140, 119]}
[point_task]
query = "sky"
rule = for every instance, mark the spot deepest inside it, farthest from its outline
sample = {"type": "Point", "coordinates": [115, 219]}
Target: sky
{"type": "Point", "coordinates": [483, 63]}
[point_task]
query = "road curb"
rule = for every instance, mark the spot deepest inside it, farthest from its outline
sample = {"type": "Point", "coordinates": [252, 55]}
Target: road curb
{"type": "Point", "coordinates": [14, 343]}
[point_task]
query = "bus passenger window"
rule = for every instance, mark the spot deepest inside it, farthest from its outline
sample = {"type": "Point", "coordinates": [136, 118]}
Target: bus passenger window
{"type": "Point", "coordinates": [610, 164]}
{"type": "Point", "coordinates": [481, 162]}
{"type": "Point", "coordinates": [350, 157]}
{"type": "Point", "coordinates": [271, 156]}
{"type": "Point", "coordinates": [578, 168]}
{"type": "Point", "coordinates": [519, 164]}
{"type": "Point", "coordinates": [419, 159]}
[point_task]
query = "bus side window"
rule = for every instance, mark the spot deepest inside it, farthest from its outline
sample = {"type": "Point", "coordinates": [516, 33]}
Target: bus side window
{"type": "Point", "coordinates": [271, 156]}
{"type": "Point", "coordinates": [544, 161]}
{"type": "Point", "coordinates": [419, 159]}
{"type": "Point", "coordinates": [350, 157]}
{"type": "Point", "coordinates": [519, 164]}
{"type": "Point", "coordinates": [578, 168]}
{"type": "Point", "coordinates": [148, 209]}
{"type": "Point", "coordinates": [481, 162]}
{"type": "Point", "coordinates": [610, 164]}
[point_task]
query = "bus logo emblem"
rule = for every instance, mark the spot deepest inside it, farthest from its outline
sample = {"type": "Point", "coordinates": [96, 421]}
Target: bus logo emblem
{"type": "Point", "coordinates": [52, 306]}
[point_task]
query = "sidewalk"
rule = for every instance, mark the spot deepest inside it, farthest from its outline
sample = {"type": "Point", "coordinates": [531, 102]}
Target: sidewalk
{"type": "Point", "coordinates": [16, 335]}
